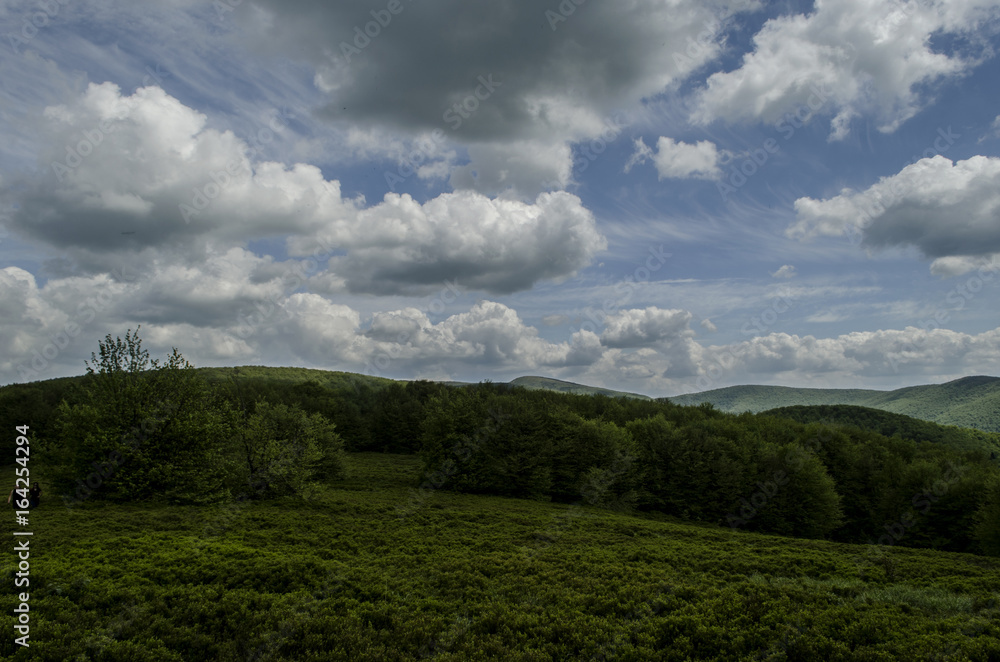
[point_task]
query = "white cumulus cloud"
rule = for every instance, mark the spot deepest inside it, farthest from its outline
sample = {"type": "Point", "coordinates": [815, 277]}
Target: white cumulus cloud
{"type": "Point", "coordinates": [679, 160]}
{"type": "Point", "coordinates": [854, 56]}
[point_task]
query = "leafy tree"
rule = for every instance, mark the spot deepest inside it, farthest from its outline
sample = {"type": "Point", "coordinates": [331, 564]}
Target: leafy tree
{"type": "Point", "coordinates": [589, 457]}
{"type": "Point", "coordinates": [987, 529]}
{"type": "Point", "coordinates": [487, 441]}
{"type": "Point", "coordinates": [140, 429]}
{"type": "Point", "coordinates": [282, 449]}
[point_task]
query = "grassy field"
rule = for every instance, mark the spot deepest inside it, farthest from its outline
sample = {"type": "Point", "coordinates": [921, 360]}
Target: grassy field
{"type": "Point", "coordinates": [373, 569]}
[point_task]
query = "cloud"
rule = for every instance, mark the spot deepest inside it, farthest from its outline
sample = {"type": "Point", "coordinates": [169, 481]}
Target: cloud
{"type": "Point", "coordinates": [944, 209]}
{"type": "Point", "coordinates": [858, 56]}
{"type": "Point", "coordinates": [142, 178]}
{"type": "Point", "coordinates": [646, 326]}
{"type": "Point", "coordinates": [948, 267]}
{"type": "Point", "coordinates": [555, 320]}
{"type": "Point", "coordinates": [786, 271]}
{"type": "Point", "coordinates": [50, 329]}
{"type": "Point", "coordinates": [708, 326]}
{"type": "Point", "coordinates": [424, 70]}
{"type": "Point", "coordinates": [876, 357]}
{"type": "Point", "coordinates": [679, 160]}
{"type": "Point", "coordinates": [526, 166]}
{"type": "Point", "coordinates": [498, 246]}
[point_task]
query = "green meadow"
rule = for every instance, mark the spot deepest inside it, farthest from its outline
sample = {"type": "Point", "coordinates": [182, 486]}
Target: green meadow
{"type": "Point", "coordinates": [372, 568]}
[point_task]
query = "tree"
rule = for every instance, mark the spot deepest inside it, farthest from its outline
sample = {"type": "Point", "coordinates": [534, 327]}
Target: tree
{"type": "Point", "coordinates": [988, 519]}
{"type": "Point", "coordinates": [487, 441]}
{"type": "Point", "coordinates": [591, 458]}
{"type": "Point", "coordinates": [282, 450]}
{"type": "Point", "coordinates": [278, 448]}
{"type": "Point", "coordinates": [141, 429]}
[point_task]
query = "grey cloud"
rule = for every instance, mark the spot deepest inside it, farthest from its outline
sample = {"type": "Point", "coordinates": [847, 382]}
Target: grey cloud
{"type": "Point", "coordinates": [142, 174]}
{"type": "Point", "coordinates": [945, 209]}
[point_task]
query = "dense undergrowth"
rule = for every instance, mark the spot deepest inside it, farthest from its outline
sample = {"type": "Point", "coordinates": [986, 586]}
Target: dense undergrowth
{"type": "Point", "coordinates": [371, 569]}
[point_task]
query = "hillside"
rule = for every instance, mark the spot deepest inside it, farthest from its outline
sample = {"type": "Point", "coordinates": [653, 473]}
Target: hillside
{"type": "Point", "coordinates": [549, 384]}
{"type": "Point", "coordinates": [373, 570]}
{"type": "Point", "coordinates": [326, 378]}
{"type": "Point", "coordinates": [890, 424]}
{"type": "Point", "coordinates": [971, 402]}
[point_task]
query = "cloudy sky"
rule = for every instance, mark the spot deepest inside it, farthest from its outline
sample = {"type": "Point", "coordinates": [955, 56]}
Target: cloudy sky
{"type": "Point", "coordinates": [660, 196]}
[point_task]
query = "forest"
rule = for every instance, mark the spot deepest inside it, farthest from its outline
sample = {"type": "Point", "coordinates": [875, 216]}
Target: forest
{"type": "Point", "coordinates": [136, 428]}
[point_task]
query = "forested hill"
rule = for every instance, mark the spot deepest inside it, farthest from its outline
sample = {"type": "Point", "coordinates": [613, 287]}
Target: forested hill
{"type": "Point", "coordinates": [892, 425]}
{"type": "Point", "coordinates": [970, 402]}
{"type": "Point", "coordinates": [549, 384]}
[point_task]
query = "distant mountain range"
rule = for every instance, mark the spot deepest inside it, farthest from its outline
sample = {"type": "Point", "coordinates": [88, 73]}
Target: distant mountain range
{"type": "Point", "coordinates": [971, 402]}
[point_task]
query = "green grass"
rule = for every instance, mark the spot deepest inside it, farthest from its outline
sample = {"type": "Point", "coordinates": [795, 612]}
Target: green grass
{"type": "Point", "coordinates": [372, 570]}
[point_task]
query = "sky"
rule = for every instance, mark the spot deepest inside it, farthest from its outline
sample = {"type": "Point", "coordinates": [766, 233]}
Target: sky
{"type": "Point", "coordinates": [657, 196]}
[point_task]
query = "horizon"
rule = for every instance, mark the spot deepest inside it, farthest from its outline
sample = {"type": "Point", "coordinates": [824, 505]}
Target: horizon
{"type": "Point", "coordinates": [798, 194]}
{"type": "Point", "coordinates": [538, 376]}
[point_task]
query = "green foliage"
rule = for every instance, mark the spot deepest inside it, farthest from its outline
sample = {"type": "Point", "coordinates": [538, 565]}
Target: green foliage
{"type": "Point", "coordinates": [558, 385]}
{"type": "Point", "coordinates": [138, 429]}
{"type": "Point", "coordinates": [891, 425]}
{"type": "Point", "coordinates": [969, 402]}
{"type": "Point", "coordinates": [987, 530]}
{"type": "Point", "coordinates": [592, 458]}
{"type": "Point", "coordinates": [261, 433]}
{"type": "Point", "coordinates": [345, 578]}
{"type": "Point", "coordinates": [480, 441]}
{"type": "Point", "coordinates": [282, 449]}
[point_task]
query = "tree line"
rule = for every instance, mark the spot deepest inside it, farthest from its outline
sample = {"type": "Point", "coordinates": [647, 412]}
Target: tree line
{"type": "Point", "coordinates": [138, 428]}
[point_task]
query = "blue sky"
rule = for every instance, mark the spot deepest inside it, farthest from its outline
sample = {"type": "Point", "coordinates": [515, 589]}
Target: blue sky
{"type": "Point", "coordinates": [660, 197]}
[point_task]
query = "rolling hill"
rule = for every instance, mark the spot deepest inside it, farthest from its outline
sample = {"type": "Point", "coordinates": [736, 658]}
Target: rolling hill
{"type": "Point", "coordinates": [549, 384]}
{"type": "Point", "coordinates": [970, 402]}
{"type": "Point", "coordinates": [890, 424]}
